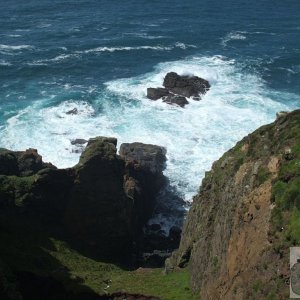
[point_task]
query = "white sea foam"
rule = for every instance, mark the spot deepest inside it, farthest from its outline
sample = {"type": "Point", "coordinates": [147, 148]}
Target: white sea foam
{"type": "Point", "coordinates": [14, 48]}
{"type": "Point", "coordinates": [4, 63]}
{"type": "Point", "coordinates": [144, 35]}
{"type": "Point", "coordinates": [56, 59]}
{"type": "Point", "coordinates": [195, 136]}
{"type": "Point", "coordinates": [14, 35]}
{"type": "Point", "coordinates": [130, 48]}
{"type": "Point", "coordinates": [233, 36]}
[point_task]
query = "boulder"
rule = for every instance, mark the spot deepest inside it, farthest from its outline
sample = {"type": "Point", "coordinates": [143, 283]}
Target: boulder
{"type": "Point", "coordinates": [150, 158]}
{"type": "Point", "coordinates": [73, 111]}
{"type": "Point", "coordinates": [79, 142]}
{"type": "Point", "coordinates": [187, 86]}
{"type": "Point", "coordinates": [177, 87]}
{"type": "Point", "coordinates": [175, 99]}
{"type": "Point", "coordinates": [157, 93]}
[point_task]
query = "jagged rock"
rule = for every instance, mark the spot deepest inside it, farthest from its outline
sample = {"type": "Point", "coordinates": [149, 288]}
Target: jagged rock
{"type": "Point", "coordinates": [187, 86]}
{"type": "Point", "coordinates": [73, 111]}
{"type": "Point", "coordinates": [98, 212]}
{"type": "Point", "coordinates": [177, 87]}
{"type": "Point", "coordinates": [157, 93]}
{"type": "Point", "coordinates": [281, 114]}
{"type": "Point", "coordinates": [175, 99]}
{"type": "Point", "coordinates": [144, 177]}
{"type": "Point", "coordinates": [79, 142]}
{"type": "Point", "coordinates": [149, 157]}
{"type": "Point", "coordinates": [245, 217]}
{"type": "Point", "coordinates": [105, 199]}
{"type": "Point", "coordinates": [21, 163]}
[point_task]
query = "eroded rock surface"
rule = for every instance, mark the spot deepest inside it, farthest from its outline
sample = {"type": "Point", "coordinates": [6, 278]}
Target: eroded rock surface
{"type": "Point", "coordinates": [239, 229]}
{"type": "Point", "coordinates": [177, 88]}
{"type": "Point", "coordinates": [103, 202]}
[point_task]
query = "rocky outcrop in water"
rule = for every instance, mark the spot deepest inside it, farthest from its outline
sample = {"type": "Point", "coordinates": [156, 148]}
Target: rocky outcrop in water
{"type": "Point", "coordinates": [245, 217]}
{"type": "Point", "coordinates": [177, 88]}
{"type": "Point", "coordinates": [187, 86]}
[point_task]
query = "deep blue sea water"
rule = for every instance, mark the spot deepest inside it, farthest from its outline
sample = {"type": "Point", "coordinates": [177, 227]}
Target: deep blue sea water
{"type": "Point", "coordinates": [99, 56]}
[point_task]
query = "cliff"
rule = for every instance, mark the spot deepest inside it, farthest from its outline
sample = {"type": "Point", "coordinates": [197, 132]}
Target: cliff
{"type": "Point", "coordinates": [77, 233]}
{"type": "Point", "coordinates": [101, 203]}
{"type": "Point", "coordinates": [246, 215]}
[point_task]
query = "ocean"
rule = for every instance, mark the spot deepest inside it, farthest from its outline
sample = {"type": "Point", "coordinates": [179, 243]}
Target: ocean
{"type": "Point", "coordinates": [99, 57]}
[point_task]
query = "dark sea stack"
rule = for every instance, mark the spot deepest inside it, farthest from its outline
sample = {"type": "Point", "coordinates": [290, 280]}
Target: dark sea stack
{"type": "Point", "coordinates": [144, 176]}
{"type": "Point", "coordinates": [99, 212]}
{"type": "Point", "coordinates": [157, 93]}
{"type": "Point", "coordinates": [187, 86]}
{"type": "Point", "coordinates": [177, 88]}
{"type": "Point", "coordinates": [245, 217]}
{"type": "Point", "coordinates": [176, 99]}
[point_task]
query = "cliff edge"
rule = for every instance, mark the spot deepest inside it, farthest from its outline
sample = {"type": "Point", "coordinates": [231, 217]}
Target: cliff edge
{"type": "Point", "coordinates": [246, 215]}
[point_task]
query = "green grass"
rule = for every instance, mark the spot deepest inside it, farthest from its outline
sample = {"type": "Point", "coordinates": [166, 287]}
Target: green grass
{"type": "Point", "coordinates": [262, 175]}
{"type": "Point", "coordinates": [286, 190]}
{"type": "Point", "coordinates": [26, 246]}
{"type": "Point", "coordinates": [257, 286]}
{"type": "Point", "coordinates": [293, 232]}
{"type": "Point", "coordinates": [15, 189]}
{"type": "Point", "coordinates": [98, 275]}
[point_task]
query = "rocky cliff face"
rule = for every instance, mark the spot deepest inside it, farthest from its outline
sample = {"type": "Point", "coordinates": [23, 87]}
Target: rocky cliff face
{"type": "Point", "coordinates": [245, 217]}
{"type": "Point", "coordinates": [102, 203]}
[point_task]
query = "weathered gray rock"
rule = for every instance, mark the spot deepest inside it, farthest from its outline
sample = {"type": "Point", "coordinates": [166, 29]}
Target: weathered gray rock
{"type": "Point", "coordinates": [177, 87]}
{"type": "Point", "coordinates": [187, 86]}
{"type": "Point", "coordinates": [175, 99]}
{"type": "Point", "coordinates": [157, 93]}
{"type": "Point", "coordinates": [281, 114]}
{"type": "Point", "coordinates": [149, 157]}
{"type": "Point", "coordinates": [21, 163]}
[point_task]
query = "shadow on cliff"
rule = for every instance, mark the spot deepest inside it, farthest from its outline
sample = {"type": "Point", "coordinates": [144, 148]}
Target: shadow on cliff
{"type": "Point", "coordinates": [37, 262]}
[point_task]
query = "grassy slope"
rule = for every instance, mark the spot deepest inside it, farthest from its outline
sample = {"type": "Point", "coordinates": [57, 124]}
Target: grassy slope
{"type": "Point", "coordinates": [26, 246]}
